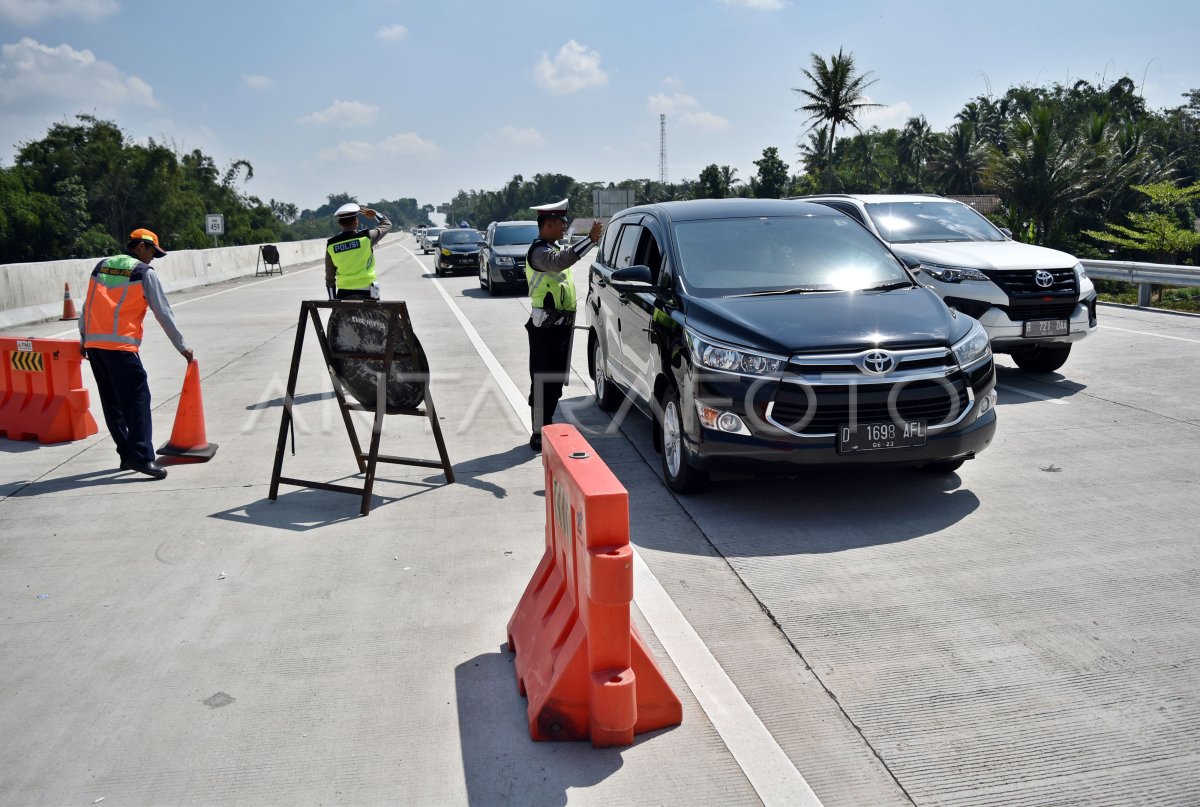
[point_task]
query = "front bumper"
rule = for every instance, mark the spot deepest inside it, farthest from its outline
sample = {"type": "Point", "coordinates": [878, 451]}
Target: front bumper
{"type": "Point", "coordinates": [734, 452]}
{"type": "Point", "coordinates": [506, 275]}
{"type": "Point", "coordinates": [1007, 334]}
{"type": "Point", "coordinates": [766, 443]}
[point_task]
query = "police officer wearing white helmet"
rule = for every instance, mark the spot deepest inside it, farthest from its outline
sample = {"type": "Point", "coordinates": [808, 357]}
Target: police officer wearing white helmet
{"type": "Point", "coordinates": [350, 255]}
{"type": "Point", "coordinates": [552, 320]}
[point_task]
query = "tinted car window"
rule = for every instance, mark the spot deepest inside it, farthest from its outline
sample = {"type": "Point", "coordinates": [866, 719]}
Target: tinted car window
{"type": "Point", "coordinates": [627, 248]}
{"type": "Point", "coordinates": [522, 234]}
{"type": "Point", "coordinates": [720, 257]}
{"type": "Point", "coordinates": [461, 237]}
{"type": "Point", "coordinates": [913, 222]}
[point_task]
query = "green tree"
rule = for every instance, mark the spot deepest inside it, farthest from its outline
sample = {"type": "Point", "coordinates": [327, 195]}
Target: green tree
{"type": "Point", "coordinates": [1047, 171]}
{"type": "Point", "coordinates": [771, 182]}
{"type": "Point", "coordinates": [913, 150]}
{"type": "Point", "coordinates": [710, 185]}
{"type": "Point", "coordinates": [959, 160]}
{"type": "Point", "coordinates": [837, 97]}
{"type": "Point", "coordinates": [1160, 232]}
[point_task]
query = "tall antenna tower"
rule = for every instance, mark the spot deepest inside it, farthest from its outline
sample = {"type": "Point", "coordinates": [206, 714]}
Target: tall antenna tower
{"type": "Point", "coordinates": [662, 149]}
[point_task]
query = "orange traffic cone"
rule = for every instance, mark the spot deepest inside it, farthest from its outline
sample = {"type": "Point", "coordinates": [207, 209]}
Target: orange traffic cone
{"type": "Point", "coordinates": [188, 438]}
{"type": "Point", "coordinates": [68, 304]}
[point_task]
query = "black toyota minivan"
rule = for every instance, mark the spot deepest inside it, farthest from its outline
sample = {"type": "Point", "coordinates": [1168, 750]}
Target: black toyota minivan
{"type": "Point", "coordinates": [762, 334]}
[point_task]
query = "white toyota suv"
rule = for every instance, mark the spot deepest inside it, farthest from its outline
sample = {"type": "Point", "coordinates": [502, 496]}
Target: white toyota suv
{"type": "Point", "coordinates": [1033, 302]}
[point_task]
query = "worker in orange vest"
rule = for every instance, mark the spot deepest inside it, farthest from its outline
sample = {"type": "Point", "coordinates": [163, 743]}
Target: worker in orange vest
{"type": "Point", "coordinates": [110, 329]}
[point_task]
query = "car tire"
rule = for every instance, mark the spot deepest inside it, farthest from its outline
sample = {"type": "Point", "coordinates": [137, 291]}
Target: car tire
{"type": "Point", "coordinates": [943, 466]}
{"type": "Point", "coordinates": [608, 397]}
{"type": "Point", "coordinates": [1042, 358]}
{"type": "Point", "coordinates": [678, 472]}
{"type": "Point", "coordinates": [484, 280]}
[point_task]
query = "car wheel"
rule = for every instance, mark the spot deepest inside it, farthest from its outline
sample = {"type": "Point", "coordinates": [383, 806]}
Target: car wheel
{"type": "Point", "coordinates": [680, 474]}
{"type": "Point", "coordinates": [943, 466]}
{"type": "Point", "coordinates": [1042, 358]}
{"type": "Point", "coordinates": [608, 397]}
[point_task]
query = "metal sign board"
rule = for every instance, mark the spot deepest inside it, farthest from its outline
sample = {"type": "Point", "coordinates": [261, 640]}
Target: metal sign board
{"type": "Point", "coordinates": [364, 331]}
{"type": "Point", "coordinates": [608, 202]}
{"type": "Point", "coordinates": [214, 224]}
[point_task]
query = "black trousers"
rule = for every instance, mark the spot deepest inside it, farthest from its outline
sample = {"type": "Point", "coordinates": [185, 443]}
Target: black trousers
{"type": "Point", "coordinates": [549, 364]}
{"type": "Point", "coordinates": [125, 399]}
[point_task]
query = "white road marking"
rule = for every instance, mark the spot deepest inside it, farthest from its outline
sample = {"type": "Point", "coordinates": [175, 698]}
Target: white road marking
{"type": "Point", "coordinates": [765, 764]}
{"type": "Point", "coordinates": [1030, 394]}
{"type": "Point", "coordinates": [1147, 333]}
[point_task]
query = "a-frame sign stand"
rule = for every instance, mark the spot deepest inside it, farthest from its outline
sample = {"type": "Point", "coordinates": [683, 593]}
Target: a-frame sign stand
{"type": "Point", "coordinates": [399, 328]}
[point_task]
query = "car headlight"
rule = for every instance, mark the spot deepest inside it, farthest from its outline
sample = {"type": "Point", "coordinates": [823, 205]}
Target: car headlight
{"type": "Point", "coordinates": [1080, 271]}
{"type": "Point", "coordinates": [951, 274]}
{"type": "Point", "coordinates": [972, 347]}
{"type": "Point", "coordinates": [504, 261]}
{"type": "Point", "coordinates": [446, 252]}
{"type": "Point", "coordinates": [733, 360]}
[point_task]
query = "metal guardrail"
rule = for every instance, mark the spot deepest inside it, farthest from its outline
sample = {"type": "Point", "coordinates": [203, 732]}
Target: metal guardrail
{"type": "Point", "coordinates": [1144, 274]}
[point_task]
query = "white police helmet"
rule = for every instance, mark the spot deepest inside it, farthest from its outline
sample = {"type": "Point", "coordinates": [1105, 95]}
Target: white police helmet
{"type": "Point", "coordinates": [347, 210]}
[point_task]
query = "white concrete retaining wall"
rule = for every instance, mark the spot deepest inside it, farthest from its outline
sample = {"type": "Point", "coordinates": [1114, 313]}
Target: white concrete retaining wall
{"type": "Point", "coordinates": [32, 292]}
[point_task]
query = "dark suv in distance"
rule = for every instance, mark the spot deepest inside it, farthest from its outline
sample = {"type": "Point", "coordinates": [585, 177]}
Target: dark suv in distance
{"type": "Point", "coordinates": [502, 255]}
{"type": "Point", "coordinates": [458, 250]}
{"type": "Point", "coordinates": [762, 334]}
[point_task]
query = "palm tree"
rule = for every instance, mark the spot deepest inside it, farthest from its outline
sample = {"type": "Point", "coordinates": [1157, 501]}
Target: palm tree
{"type": "Point", "coordinates": [915, 145]}
{"type": "Point", "coordinates": [958, 160]}
{"type": "Point", "coordinates": [1047, 171]}
{"type": "Point", "coordinates": [815, 153]}
{"type": "Point", "coordinates": [837, 97]}
{"type": "Point", "coordinates": [729, 179]}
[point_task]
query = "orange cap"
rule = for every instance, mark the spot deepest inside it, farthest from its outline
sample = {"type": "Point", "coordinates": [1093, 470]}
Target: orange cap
{"type": "Point", "coordinates": [142, 234]}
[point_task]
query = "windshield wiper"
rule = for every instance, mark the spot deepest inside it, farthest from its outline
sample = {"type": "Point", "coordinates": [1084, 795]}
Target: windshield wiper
{"type": "Point", "coordinates": [771, 292]}
{"type": "Point", "coordinates": [895, 284]}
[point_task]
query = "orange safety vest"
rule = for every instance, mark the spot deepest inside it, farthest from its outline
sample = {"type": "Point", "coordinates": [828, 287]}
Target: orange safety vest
{"type": "Point", "coordinates": [115, 305]}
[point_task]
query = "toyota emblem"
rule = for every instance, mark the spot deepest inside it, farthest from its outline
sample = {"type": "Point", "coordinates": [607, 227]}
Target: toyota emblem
{"type": "Point", "coordinates": [878, 362]}
{"type": "Point", "coordinates": [1043, 279]}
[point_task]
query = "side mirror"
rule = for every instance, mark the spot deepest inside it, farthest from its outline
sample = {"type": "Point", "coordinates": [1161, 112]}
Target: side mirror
{"type": "Point", "coordinates": [912, 263]}
{"type": "Point", "coordinates": [1007, 232]}
{"type": "Point", "coordinates": [632, 280]}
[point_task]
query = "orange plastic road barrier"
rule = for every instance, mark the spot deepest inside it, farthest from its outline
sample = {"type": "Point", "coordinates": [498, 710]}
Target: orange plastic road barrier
{"type": "Point", "coordinates": [68, 304]}
{"type": "Point", "coordinates": [42, 396]}
{"type": "Point", "coordinates": [584, 667]}
{"type": "Point", "coordinates": [188, 438]}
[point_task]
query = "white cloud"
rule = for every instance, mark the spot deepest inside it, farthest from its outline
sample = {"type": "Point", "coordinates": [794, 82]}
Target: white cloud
{"type": "Point", "coordinates": [521, 137]}
{"type": "Point", "coordinates": [757, 5]}
{"type": "Point", "coordinates": [38, 78]}
{"type": "Point", "coordinates": [405, 144]}
{"type": "Point", "coordinates": [348, 113]}
{"type": "Point", "coordinates": [574, 68]}
{"type": "Point", "coordinates": [31, 12]}
{"type": "Point", "coordinates": [392, 33]}
{"type": "Point", "coordinates": [685, 110]}
{"type": "Point", "coordinates": [892, 116]}
{"type": "Point", "coordinates": [672, 81]}
{"type": "Point", "coordinates": [704, 120]}
{"type": "Point", "coordinates": [257, 82]}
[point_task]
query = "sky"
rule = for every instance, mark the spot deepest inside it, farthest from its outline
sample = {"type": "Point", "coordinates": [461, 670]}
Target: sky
{"type": "Point", "coordinates": [385, 99]}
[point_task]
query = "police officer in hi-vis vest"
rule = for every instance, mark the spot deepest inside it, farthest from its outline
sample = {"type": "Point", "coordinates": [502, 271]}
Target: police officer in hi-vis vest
{"type": "Point", "coordinates": [552, 296]}
{"type": "Point", "coordinates": [350, 255]}
{"type": "Point", "coordinates": [120, 291]}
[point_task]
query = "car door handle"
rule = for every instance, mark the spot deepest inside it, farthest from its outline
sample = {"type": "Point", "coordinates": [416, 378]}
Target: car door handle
{"type": "Point", "coordinates": [622, 299]}
{"type": "Point", "coordinates": [601, 282]}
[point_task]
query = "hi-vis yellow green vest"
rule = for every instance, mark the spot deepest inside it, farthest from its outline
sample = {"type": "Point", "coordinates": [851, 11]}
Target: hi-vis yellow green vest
{"type": "Point", "coordinates": [543, 283]}
{"type": "Point", "coordinates": [351, 253]}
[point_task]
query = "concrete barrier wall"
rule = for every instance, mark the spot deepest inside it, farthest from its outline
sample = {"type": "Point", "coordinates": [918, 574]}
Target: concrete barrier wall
{"type": "Point", "coordinates": [32, 292]}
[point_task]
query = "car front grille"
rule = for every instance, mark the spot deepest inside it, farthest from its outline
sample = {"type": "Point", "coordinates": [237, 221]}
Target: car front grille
{"type": "Point", "coordinates": [818, 394]}
{"type": "Point", "coordinates": [1023, 283]}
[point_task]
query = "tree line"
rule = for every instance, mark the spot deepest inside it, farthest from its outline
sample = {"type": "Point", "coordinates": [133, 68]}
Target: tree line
{"type": "Point", "coordinates": [78, 192]}
{"type": "Point", "coordinates": [1086, 168]}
